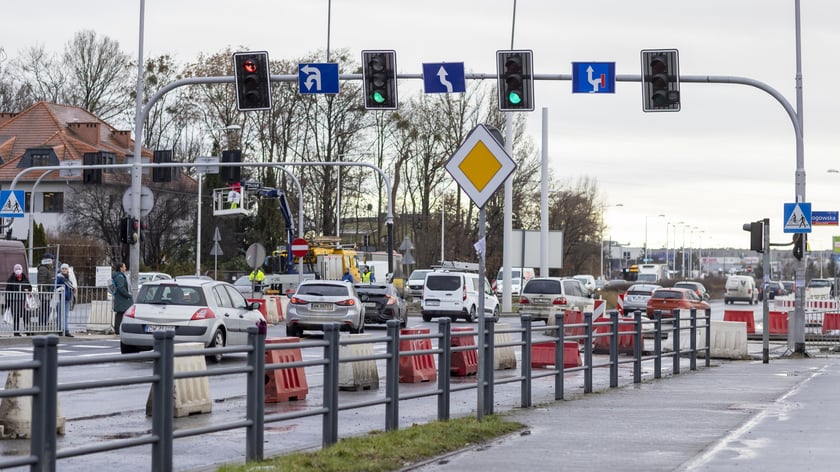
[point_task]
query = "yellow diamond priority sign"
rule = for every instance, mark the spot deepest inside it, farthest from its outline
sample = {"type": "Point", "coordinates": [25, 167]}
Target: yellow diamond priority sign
{"type": "Point", "coordinates": [480, 165]}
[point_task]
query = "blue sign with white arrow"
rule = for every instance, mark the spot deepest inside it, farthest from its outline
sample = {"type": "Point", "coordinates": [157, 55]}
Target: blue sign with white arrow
{"type": "Point", "coordinates": [593, 77]}
{"type": "Point", "coordinates": [444, 77]}
{"type": "Point", "coordinates": [318, 78]}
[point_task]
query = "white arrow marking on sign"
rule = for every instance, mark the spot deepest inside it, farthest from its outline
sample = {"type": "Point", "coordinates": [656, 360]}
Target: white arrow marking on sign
{"type": "Point", "coordinates": [442, 77]}
{"type": "Point", "coordinates": [313, 75]}
{"type": "Point", "coordinates": [592, 80]}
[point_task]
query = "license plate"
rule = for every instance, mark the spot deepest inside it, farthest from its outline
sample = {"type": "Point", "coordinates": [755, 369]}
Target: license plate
{"type": "Point", "coordinates": [432, 302]}
{"type": "Point", "coordinates": [370, 305]}
{"type": "Point", "coordinates": [541, 301]}
{"type": "Point", "coordinates": [322, 306]}
{"type": "Point", "coordinates": [153, 328]}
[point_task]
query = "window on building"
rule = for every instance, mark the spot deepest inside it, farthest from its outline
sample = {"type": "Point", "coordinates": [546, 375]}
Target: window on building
{"type": "Point", "coordinates": [40, 159]}
{"type": "Point", "coordinates": [53, 202]}
{"type": "Point", "coordinates": [27, 201]}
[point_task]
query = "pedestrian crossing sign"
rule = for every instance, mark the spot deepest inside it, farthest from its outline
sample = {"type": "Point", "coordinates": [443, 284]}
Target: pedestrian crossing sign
{"type": "Point", "coordinates": [797, 217]}
{"type": "Point", "coordinates": [11, 203]}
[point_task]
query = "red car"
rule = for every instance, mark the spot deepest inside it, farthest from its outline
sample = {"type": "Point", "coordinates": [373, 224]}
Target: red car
{"type": "Point", "coordinates": [667, 299]}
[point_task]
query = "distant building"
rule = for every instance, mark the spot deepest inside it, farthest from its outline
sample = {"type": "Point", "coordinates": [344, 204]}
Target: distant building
{"type": "Point", "coordinates": [47, 134]}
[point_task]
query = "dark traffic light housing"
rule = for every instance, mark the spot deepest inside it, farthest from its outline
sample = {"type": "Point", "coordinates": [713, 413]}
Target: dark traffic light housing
{"type": "Point", "coordinates": [660, 80]}
{"type": "Point", "coordinates": [800, 240]}
{"type": "Point", "coordinates": [379, 79]}
{"type": "Point", "coordinates": [515, 71]}
{"type": "Point", "coordinates": [231, 173]}
{"type": "Point", "coordinates": [162, 174]}
{"type": "Point", "coordinates": [756, 230]}
{"type": "Point", "coordinates": [253, 84]}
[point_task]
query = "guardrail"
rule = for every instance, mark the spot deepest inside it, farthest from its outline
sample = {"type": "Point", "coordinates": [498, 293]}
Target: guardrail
{"type": "Point", "coordinates": [45, 387]}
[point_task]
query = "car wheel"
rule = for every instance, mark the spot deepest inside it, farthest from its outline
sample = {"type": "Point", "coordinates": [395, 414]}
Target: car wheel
{"type": "Point", "coordinates": [128, 348]}
{"type": "Point", "coordinates": [427, 318]}
{"type": "Point", "coordinates": [217, 341]}
{"type": "Point", "coordinates": [471, 316]}
{"type": "Point", "coordinates": [496, 314]}
{"type": "Point", "coordinates": [359, 330]}
{"type": "Point", "coordinates": [293, 331]}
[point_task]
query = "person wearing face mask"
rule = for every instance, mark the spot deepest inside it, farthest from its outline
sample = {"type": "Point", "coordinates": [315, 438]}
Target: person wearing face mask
{"type": "Point", "coordinates": [63, 280]}
{"type": "Point", "coordinates": [17, 287]}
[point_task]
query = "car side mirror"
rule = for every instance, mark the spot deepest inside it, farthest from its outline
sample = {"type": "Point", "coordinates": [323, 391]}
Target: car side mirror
{"type": "Point", "coordinates": [255, 305]}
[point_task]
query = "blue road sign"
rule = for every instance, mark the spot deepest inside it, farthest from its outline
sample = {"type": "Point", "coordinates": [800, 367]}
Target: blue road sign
{"type": "Point", "coordinates": [797, 217]}
{"type": "Point", "coordinates": [444, 77]}
{"type": "Point", "coordinates": [593, 77]}
{"type": "Point", "coordinates": [318, 78]}
{"type": "Point", "coordinates": [824, 218]}
{"type": "Point", "coordinates": [11, 203]}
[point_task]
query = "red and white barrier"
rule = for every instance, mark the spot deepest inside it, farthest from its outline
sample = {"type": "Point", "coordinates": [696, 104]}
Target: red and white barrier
{"type": "Point", "coordinates": [619, 303]}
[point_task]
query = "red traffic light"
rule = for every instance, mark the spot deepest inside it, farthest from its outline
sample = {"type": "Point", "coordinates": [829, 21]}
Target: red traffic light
{"type": "Point", "coordinates": [249, 66]}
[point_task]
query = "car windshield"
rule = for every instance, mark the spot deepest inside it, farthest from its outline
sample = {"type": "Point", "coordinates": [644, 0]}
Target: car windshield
{"type": "Point", "coordinates": [166, 294]}
{"type": "Point", "coordinates": [323, 290]}
{"type": "Point", "coordinates": [639, 292]}
{"type": "Point", "coordinates": [543, 286]}
{"type": "Point", "coordinates": [443, 282]}
{"type": "Point", "coordinates": [819, 283]}
{"type": "Point", "coordinates": [418, 275]}
{"type": "Point", "coordinates": [687, 285]}
{"type": "Point", "coordinates": [668, 294]}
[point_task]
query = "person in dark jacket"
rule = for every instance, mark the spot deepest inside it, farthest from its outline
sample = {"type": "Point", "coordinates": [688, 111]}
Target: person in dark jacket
{"type": "Point", "coordinates": [46, 284]}
{"type": "Point", "coordinates": [17, 287]}
{"type": "Point", "coordinates": [122, 294]}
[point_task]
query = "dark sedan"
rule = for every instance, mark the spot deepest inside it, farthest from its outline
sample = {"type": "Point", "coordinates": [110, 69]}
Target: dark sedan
{"type": "Point", "coordinates": [382, 302]}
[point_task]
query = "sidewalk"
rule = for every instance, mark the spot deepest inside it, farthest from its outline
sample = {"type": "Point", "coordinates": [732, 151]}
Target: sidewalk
{"type": "Point", "coordinates": [736, 415]}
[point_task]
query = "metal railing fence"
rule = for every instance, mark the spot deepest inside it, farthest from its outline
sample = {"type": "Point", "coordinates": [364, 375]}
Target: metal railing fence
{"type": "Point", "coordinates": [45, 388]}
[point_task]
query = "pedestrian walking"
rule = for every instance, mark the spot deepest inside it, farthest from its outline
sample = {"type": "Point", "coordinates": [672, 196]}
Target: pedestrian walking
{"type": "Point", "coordinates": [64, 282]}
{"type": "Point", "coordinates": [122, 294]}
{"type": "Point", "coordinates": [17, 288]}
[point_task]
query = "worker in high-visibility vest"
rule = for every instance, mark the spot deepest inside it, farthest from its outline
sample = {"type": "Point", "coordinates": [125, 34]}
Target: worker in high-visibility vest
{"type": "Point", "coordinates": [367, 275]}
{"type": "Point", "coordinates": [256, 278]}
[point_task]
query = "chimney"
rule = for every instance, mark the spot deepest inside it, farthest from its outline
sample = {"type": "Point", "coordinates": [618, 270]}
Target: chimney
{"type": "Point", "coordinates": [5, 116]}
{"type": "Point", "coordinates": [87, 132]}
{"type": "Point", "coordinates": [123, 137]}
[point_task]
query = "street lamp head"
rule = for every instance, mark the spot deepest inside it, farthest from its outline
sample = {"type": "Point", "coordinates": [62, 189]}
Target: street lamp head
{"type": "Point", "coordinates": [833, 171]}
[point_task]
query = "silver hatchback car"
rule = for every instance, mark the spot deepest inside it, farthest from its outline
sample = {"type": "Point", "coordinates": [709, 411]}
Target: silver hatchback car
{"type": "Point", "coordinates": [198, 310]}
{"type": "Point", "coordinates": [318, 302]}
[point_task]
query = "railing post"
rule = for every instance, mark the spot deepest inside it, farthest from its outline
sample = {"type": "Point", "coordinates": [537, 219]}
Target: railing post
{"type": "Point", "coordinates": [444, 367]}
{"type": "Point", "coordinates": [330, 421]}
{"type": "Point", "coordinates": [163, 403]}
{"type": "Point", "coordinates": [638, 350]}
{"type": "Point", "coordinates": [44, 403]}
{"type": "Point", "coordinates": [560, 355]}
{"type": "Point", "coordinates": [657, 345]}
{"type": "Point", "coordinates": [489, 381]}
{"type": "Point", "coordinates": [613, 349]}
{"type": "Point", "coordinates": [392, 375]}
{"type": "Point", "coordinates": [255, 395]}
{"type": "Point", "coordinates": [525, 386]}
{"type": "Point", "coordinates": [708, 337]}
{"type": "Point", "coordinates": [692, 359]}
{"type": "Point", "coordinates": [587, 353]}
{"type": "Point", "coordinates": [676, 333]}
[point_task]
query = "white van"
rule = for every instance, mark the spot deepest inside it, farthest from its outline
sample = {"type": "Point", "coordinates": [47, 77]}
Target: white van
{"type": "Point", "coordinates": [519, 276]}
{"type": "Point", "coordinates": [740, 288]}
{"type": "Point", "coordinates": [455, 294]}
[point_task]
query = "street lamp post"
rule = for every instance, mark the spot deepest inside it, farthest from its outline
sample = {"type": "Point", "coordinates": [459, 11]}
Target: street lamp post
{"type": "Point", "coordinates": [602, 244]}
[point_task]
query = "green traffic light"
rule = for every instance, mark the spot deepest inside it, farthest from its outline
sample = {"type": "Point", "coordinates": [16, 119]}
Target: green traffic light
{"type": "Point", "coordinates": [378, 97]}
{"type": "Point", "coordinates": [514, 98]}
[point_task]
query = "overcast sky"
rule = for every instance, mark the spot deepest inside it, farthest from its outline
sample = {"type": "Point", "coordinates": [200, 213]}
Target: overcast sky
{"type": "Point", "coordinates": [727, 158]}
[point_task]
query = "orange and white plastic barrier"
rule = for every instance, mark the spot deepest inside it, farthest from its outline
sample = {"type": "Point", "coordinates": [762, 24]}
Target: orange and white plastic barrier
{"type": "Point", "coordinates": [417, 368]}
{"type": "Point", "coordinates": [284, 384]}
{"type": "Point", "coordinates": [464, 362]}
{"type": "Point", "coordinates": [542, 354]}
{"type": "Point", "coordinates": [504, 358]}
{"type": "Point", "coordinates": [601, 344]}
{"type": "Point", "coordinates": [619, 303]}
{"type": "Point", "coordinates": [788, 303]}
{"type": "Point", "coordinates": [778, 321]}
{"type": "Point", "coordinates": [192, 395]}
{"type": "Point", "coordinates": [357, 375]}
{"type": "Point", "coordinates": [831, 322]}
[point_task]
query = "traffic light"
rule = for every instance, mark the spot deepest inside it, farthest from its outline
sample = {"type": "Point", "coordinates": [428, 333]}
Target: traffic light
{"type": "Point", "coordinates": [133, 231]}
{"type": "Point", "coordinates": [125, 223]}
{"type": "Point", "coordinates": [756, 229]}
{"type": "Point", "coordinates": [253, 90]}
{"type": "Point", "coordinates": [515, 71]}
{"type": "Point", "coordinates": [379, 76]}
{"type": "Point", "coordinates": [660, 80]}
{"type": "Point", "coordinates": [231, 174]}
{"type": "Point", "coordinates": [162, 174]}
{"type": "Point", "coordinates": [799, 242]}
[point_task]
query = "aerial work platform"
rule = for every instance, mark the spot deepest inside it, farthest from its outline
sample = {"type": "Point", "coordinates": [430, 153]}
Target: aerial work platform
{"type": "Point", "coordinates": [230, 201]}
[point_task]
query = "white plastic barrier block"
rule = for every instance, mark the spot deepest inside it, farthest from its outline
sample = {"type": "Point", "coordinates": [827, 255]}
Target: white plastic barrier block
{"type": "Point", "coordinates": [503, 357]}
{"type": "Point", "coordinates": [284, 302]}
{"type": "Point", "coordinates": [685, 333]}
{"type": "Point", "coordinates": [192, 395]}
{"type": "Point", "coordinates": [358, 375]}
{"type": "Point", "coordinates": [729, 340]}
{"type": "Point", "coordinates": [101, 317]}
{"type": "Point", "coordinates": [16, 412]}
{"type": "Point", "coordinates": [272, 309]}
